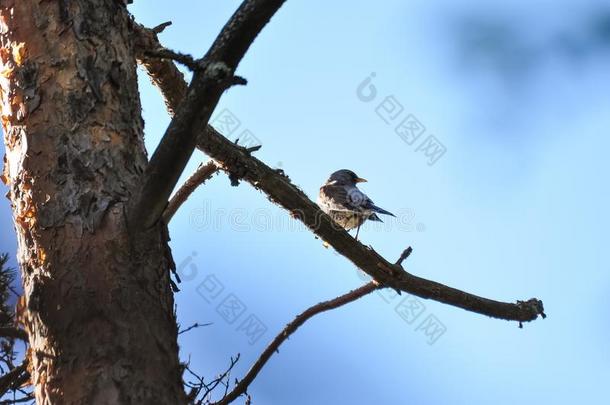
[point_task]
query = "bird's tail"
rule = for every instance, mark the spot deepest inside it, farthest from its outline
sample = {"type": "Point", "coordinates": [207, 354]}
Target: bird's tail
{"type": "Point", "coordinates": [374, 217]}
{"type": "Point", "coordinates": [381, 210]}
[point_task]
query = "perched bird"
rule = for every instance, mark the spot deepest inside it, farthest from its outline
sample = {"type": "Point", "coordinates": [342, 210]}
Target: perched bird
{"type": "Point", "coordinates": [341, 199]}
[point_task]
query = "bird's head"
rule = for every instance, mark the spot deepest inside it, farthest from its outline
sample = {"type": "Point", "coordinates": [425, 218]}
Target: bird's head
{"type": "Point", "coordinates": [344, 177]}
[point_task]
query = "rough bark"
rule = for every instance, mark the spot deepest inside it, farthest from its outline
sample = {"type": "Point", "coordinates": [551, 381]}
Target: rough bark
{"type": "Point", "coordinates": [99, 310]}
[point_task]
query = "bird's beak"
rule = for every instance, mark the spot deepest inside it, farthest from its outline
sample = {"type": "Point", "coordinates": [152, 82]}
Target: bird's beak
{"type": "Point", "coordinates": [361, 180]}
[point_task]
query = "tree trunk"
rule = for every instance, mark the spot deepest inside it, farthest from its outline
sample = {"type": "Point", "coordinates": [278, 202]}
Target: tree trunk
{"type": "Point", "coordinates": [99, 309]}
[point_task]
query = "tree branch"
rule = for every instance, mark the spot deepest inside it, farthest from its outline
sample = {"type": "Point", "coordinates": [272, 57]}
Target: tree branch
{"type": "Point", "coordinates": [182, 58]}
{"type": "Point", "coordinates": [280, 190]}
{"type": "Point", "coordinates": [14, 378]}
{"type": "Point", "coordinates": [15, 333]}
{"type": "Point", "coordinates": [163, 72]}
{"type": "Point", "coordinates": [194, 326]}
{"type": "Point", "coordinates": [203, 173]}
{"type": "Point", "coordinates": [288, 330]}
{"type": "Point", "coordinates": [240, 165]}
{"type": "Point", "coordinates": [178, 142]}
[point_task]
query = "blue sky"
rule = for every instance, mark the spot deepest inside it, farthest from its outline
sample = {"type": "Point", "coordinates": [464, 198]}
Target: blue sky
{"type": "Point", "coordinates": [517, 94]}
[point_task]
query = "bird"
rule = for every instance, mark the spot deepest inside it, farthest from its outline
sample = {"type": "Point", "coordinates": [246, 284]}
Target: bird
{"type": "Point", "coordinates": [349, 207]}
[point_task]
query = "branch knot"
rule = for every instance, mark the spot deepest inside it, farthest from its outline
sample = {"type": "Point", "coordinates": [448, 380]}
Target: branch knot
{"type": "Point", "coordinates": [218, 71]}
{"type": "Point", "coordinates": [534, 306]}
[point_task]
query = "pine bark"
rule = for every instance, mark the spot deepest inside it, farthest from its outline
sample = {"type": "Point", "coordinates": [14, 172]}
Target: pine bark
{"type": "Point", "coordinates": [98, 306]}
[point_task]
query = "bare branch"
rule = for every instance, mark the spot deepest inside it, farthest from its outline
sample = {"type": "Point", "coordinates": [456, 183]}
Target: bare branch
{"type": "Point", "coordinates": [223, 379]}
{"type": "Point", "coordinates": [199, 386]}
{"type": "Point", "coordinates": [161, 27]}
{"type": "Point", "coordinates": [26, 398]}
{"type": "Point", "coordinates": [280, 190]}
{"type": "Point", "coordinates": [288, 330]}
{"type": "Point", "coordinates": [15, 333]}
{"type": "Point", "coordinates": [405, 254]}
{"type": "Point", "coordinates": [178, 142]}
{"type": "Point", "coordinates": [14, 378]}
{"type": "Point", "coordinates": [194, 326]}
{"type": "Point", "coordinates": [203, 173]}
{"type": "Point", "coordinates": [240, 165]}
{"type": "Point", "coordinates": [182, 58]}
{"type": "Point", "coordinates": [163, 72]}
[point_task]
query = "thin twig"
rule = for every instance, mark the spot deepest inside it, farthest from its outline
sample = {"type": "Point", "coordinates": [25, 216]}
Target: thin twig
{"type": "Point", "coordinates": [288, 330]}
{"type": "Point", "coordinates": [195, 387]}
{"type": "Point", "coordinates": [161, 27]}
{"type": "Point", "coordinates": [27, 398]}
{"type": "Point", "coordinates": [203, 173]}
{"type": "Point", "coordinates": [221, 379]}
{"type": "Point", "coordinates": [405, 254]}
{"type": "Point", "coordinates": [194, 326]}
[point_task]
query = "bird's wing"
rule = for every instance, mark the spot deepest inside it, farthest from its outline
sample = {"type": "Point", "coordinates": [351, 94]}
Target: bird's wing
{"type": "Point", "coordinates": [358, 199]}
{"type": "Point", "coordinates": [363, 202]}
{"type": "Point", "coordinates": [338, 198]}
{"type": "Point", "coordinates": [380, 210]}
{"type": "Point", "coordinates": [342, 198]}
